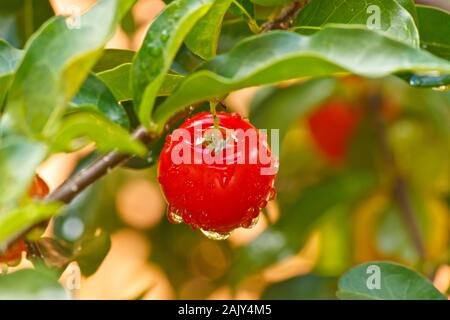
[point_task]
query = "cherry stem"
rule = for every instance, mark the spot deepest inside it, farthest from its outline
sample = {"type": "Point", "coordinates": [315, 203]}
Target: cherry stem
{"type": "Point", "coordinates": [212, 108]}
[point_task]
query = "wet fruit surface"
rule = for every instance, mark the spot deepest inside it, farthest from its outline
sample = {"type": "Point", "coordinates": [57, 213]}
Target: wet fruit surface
{"type": "Point", "coordinates": [223, 195]}
{"type": "Point", "coordinates": [332, 127]}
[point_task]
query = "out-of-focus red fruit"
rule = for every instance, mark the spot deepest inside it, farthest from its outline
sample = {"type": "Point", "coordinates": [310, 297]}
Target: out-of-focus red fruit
{"type": "Point", "coordinates": [38, 188]}
{"type": "Point", "coordinates": [218, 197]}
{"type": "Point", "coordinates": [14, 253]}
{"type": "Point", "coordinates": [332, 127]}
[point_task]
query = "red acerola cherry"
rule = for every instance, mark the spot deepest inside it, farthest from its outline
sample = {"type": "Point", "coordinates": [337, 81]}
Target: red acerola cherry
{"type": "Point", "coordinates": [332, 127]}
{"type": "Point", "coordinates": [216, 184]}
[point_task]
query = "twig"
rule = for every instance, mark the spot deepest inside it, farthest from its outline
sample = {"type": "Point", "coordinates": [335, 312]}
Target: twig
{"type": "Point", "coordinates": [286, 18]}
{"type": "Point", "coordinates": [100, 167]}
{"type": "Point", "coordinates": [400, 192]}
{"type": "Point", "coordinates": [74, 185]}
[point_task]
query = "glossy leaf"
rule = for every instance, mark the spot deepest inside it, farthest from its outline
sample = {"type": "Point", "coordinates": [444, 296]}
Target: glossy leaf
{"type": "Point", "coordinates": [204, 36]}
{"type": "Point", "coordinates": [161, 43]}
{"type": "Point", "coordinates": [245, 9]}
{"type": "Point", "coordinates": [86, 223]}
{"type": "Point", "coordinates": [396, 282]}
{"type": "Point", "coordinates": [31, 284]}
{"type": "Point", "coordinates": [9, 60]}
{"type": "Point", "coordinates": [284, 106]}
{"type": "Point", "coordinates": [270, 3]}
{"type": "Point", "coordinates": [308, 287]}
{"type": "Point", "coordinates": [410, 6]}
{"type": "Point", "coordinates": [112, 58]}
{"type": "Point", "coordinates": [18, 219]}
{"type": "Point", "coordinates": [91, 252]}
{"type": "Point", "coordinates": [96, 96]}
{"type": "Point", "coordinates": [232, 32]}
{"type": "Point", "coordinates": [107, 135]}
{"type": "Point", "coordinates": [278, 56]}
{"type": "Point", "coordinates": [431, 23]}
{"type": "Point", "coordinates": [395, 21]}
{"type": "Point", "coordinates": [287, 236]}
{"type": "Point", "coordinates": [118, 81]}
{"type": "Point", "coordinates": [45, 83]}
{"type": "Point", "coordinates": [19, 159]}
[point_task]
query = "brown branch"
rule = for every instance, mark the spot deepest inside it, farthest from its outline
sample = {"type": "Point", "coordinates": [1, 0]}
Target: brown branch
{"type": "Point", "coordinates": [400, 190]}
{"type": "Point", "coordinates": [286, 18]}
{"type": "Point", "coordinates": [99, 168]}
{"type": "Point", "coordinates": [76, 184]}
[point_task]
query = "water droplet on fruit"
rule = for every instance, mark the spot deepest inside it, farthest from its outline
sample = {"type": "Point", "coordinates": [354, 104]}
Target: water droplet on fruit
{"type": "Point", "coordinates": [262, 203]}
{"type": "Point", "coordinates": [173, 216]}
{"type": "Point", "coordinates": [271, 195]}
{"type": "Point", "coordinates": [215, 235]}
{"type": "Point", "coordinates": [249, 224]}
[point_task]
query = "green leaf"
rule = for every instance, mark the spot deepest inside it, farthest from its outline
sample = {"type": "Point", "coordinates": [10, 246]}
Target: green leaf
{"type": "Point", "coordinates": [204, 36]}
{"type": "Point", "coordinates": [19, 19]}
{"type": "Point", "coordinates": [19, 159]}
{"type": "Point", "coordinates": [245, 10]}
{"type": "Point", "coordinates": [31, 284]}
{"type": "Point", "coordinates": [86, 223]}
{"type": "Point", "coordinates": [113, 58]}
{"type": "Point", "coordinates": [271, 3]}
{"type": "Point", "coordinates": [410, 6]}
{"type": "Point", "coordinates": [118, 81]}
{"type": "Point", "coordinates": [397, 282]}
{"type": "Point", "coordinates": [96, 94]}
{"type": "Point", "coordinates": [16, 220]}
{"type": "Point", "coordinates": [91, 252]}
{"type": "Point", "coordinates": [287, 235]}
{"type": "Point", "coordinates": [395, 21]}
{"type": "Point", "coordinates": [309, 287]}
{"type": "Point", "coordinates": [232, 32]}
{"type": "Point", "coordinates": [280, 55]}
{"type": "Point", "coordinates": [45, 83]}
{"type": "Point", "coordinates": [284, 106]}
{"type": "Point", "coordinates": [163, 39]}
{"type": "Point", "coordinates": [92, 209]}
{"type": "Point", "coordinates": [9, 60]}
{"type": "Point", "coordinates": [107, 135]}
{"type": "Point", "coordinates": [432, 25]}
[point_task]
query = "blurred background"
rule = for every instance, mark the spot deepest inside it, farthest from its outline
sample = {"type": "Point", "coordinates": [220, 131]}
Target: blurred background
{"type": "Point", "coordinates": [335, 204]}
